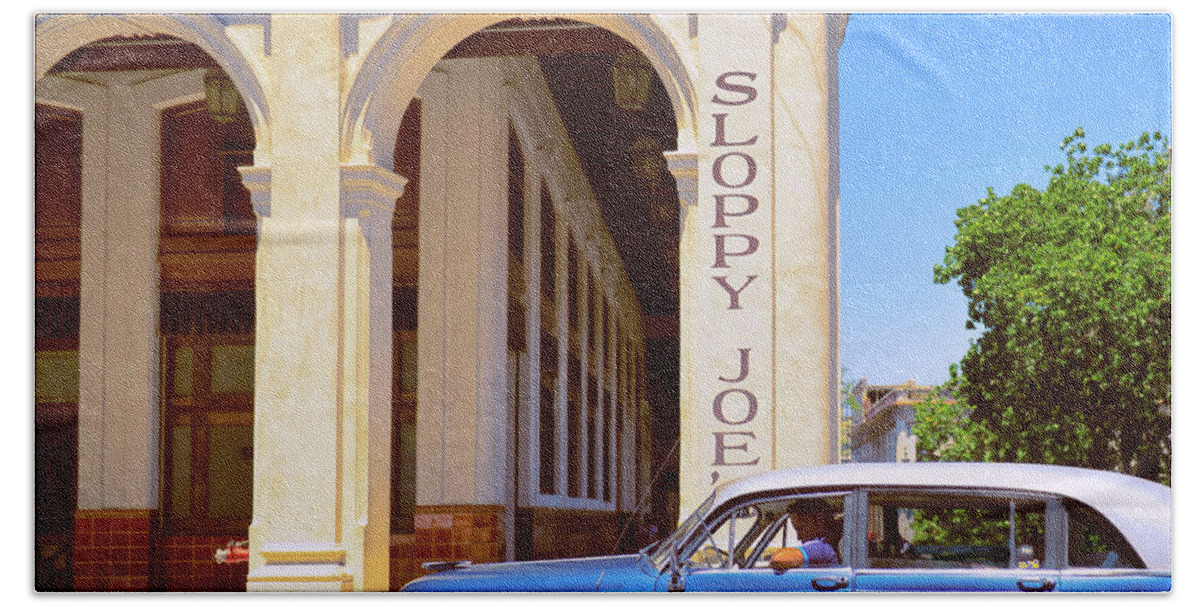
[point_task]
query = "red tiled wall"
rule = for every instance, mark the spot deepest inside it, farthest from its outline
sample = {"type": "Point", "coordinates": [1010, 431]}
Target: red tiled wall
{"type": "Point", "coordinates": [113, 547]}
{"type": "Point", "coordinates": [112, 550]}
{"type": "Point", "coordinates": [188, 565]}
{"type": "Point", "coordinates": [113, 553]}
{"type": "Point", "coordinates": [404, 566]}
{"type": "Point", "coordinates": [458, 532]}
{"type": "Point", "coordinates": [473, 532]}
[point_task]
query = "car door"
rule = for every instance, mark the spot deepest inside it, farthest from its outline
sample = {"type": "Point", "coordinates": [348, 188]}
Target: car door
{"type": "Point", "coordinates": [938, 540]}
{"type": "Point", "coordinates": [1100, 559]}
{"type": "Point", "coordinates": [735, 553]}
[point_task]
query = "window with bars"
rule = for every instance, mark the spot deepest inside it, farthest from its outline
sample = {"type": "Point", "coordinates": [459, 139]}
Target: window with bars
{"type": "Point", "coordinates": [574, 426]}
{"type": "Point", "coordinates": [404, 407]}
{"type": "Point", "coordinates": [599, 370]}
{"type": "Point", "coordinates": [548, 243]}
{"type": "Point", "coordinates": [593, 351]}
{"type": "Point", "coordinates": [572, 283]}
{"type": "Point", "coordinates": [516, 196]}
{"type": "Point", "coordinates": [548, 457]}
{"type": "Point", "coordinates": [547, 414]}
{"type": "Point", "coordinates": [209, 420]}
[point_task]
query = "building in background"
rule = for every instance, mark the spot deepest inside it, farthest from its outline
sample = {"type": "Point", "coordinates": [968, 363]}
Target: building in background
{"type": "Point", "coordinates": [374, 290]}
{"type": "Point", "coordinates": [882, 431]}
{"type": "Point", "coordinates": [883, 428]}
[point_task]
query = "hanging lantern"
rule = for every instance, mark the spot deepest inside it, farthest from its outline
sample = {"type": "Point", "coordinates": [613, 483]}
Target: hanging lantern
{"type": "Point", "coordinates": [647, 160]}
{"type": "Point", "coordinates": [222, 97]}
{"type": "Point", "coordinates": [631, 81]}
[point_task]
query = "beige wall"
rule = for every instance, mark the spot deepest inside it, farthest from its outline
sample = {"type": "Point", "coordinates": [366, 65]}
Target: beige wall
{"type": "Point", "coordinates": [463, 454]}
{"type": "Point", "coordinates": [118, 341]}
{"type": "Point", "coordinates": [758, 322]}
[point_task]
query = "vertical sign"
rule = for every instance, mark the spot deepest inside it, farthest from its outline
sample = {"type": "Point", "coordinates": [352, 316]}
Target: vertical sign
{"type": "Point", "coordinates": [729, 425]}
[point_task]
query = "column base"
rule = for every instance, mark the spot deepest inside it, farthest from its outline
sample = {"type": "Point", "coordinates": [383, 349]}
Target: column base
{"type": "Point", "coordinates": [303, 567]}
{"type": "Point", "coordinates": [302, 578]}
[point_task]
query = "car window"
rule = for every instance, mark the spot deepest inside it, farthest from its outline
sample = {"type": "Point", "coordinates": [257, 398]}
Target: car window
{"type": "Point", "coordinates": [662, 552]}
{"type": "Point", "coordinates": [782, 533]}
{"type": "Point", "coordinates": [719, 547]}
{"type": "Point", "coordinates": [1093, 542]}
{"type": "Point", "coordinates": [944, 531]}
{"type": "Point", "coordinates": [747, 536]}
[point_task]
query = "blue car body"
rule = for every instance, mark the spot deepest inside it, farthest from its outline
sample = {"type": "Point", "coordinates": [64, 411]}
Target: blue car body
{"type": "Point", "coordinates": [1067, 529]}
{"type": "Point", "coordinates": [623, 573]}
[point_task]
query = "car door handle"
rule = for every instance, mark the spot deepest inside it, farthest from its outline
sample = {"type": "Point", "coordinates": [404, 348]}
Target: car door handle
{"type": "Point", "coordinates": [830, 583]}
{"type": "Point", "coordinates": [1035, 584]}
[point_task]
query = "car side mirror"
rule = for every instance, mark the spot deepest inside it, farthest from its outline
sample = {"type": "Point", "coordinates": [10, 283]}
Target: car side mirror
{"type": "Point", "coordinates": [786, 559]}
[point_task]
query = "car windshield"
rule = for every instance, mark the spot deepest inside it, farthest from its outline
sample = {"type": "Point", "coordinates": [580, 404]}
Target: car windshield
{"type": "Point", "coordinates": [660, 554]}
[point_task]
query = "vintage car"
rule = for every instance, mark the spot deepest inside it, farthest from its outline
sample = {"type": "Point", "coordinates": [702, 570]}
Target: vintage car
{"type": "Point", "coordinates": [896, 527]}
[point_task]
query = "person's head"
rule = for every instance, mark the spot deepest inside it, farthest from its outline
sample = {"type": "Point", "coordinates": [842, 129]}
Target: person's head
{"type": "Point", "coordinates": [814, 519]}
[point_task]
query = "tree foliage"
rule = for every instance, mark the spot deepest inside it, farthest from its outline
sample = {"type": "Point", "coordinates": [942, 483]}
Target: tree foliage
{"type": "Point", "coordinates": [1072, 289]}
{"type": "Point", "coordinates": [851, 413]}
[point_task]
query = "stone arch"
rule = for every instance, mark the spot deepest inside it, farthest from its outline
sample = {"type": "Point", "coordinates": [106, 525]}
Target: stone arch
{"type": "Point", "coordinates": [389, 60]}
{"type": "Point", "coordinates": [396, 64]}
{"type": "Point", "coordinates": [56, 36]}
{"type": "Point", "coordinates": [118, 239]}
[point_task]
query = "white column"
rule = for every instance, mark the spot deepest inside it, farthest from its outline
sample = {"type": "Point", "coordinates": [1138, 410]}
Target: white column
{"type": "Point", "coordinates": [627, 450]}
{"type": "Point", "coordinates": [693, 273]}
{"type": "Point", "coordinates": [369, 195]}
{"type": "Point", "coordinates": [119, 297]}
{"type": "Point", "coordinates": [806, 220]}
{"type": "Point", "coordinates": [297, 535]}
{"type": "Point", "coordinates": [758, 304]}
{"type": "Point", "coordinates": [612, 463]}
{"type": "Point", "coordinates": [461, 436]}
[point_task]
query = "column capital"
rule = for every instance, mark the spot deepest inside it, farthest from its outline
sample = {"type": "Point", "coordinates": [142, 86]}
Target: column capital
{"type": "Point", "coordinates": [684, 165]}
{"type": "Point", "coordinates": [258, 181]}
{"type": "Point", "coordinates": [369, 190]}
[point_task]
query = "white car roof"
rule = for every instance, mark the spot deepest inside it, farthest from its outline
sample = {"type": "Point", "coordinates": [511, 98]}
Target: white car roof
{"type": "Point", "coordinates": [1140, 509]}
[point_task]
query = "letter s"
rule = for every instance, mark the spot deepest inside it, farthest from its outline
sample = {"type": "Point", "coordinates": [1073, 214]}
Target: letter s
{"type": "Point", "coordinates": [750, 92]}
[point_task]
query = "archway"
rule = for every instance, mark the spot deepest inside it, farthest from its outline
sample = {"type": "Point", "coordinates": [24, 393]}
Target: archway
{"type": "Point", "coordinates": [56, 36]}
{"type": "Point", "coordinates": [332, 80]}
{"type": "Point", "coordinates": [400, 57]}
{"type": "Point", "coordinates": [627, 188]}
{"type": "Point", "coordinates": [149, 236]}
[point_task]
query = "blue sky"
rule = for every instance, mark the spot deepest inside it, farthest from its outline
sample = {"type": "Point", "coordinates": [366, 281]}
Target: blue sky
{"type": "Point", "coordinates": [935, 108]}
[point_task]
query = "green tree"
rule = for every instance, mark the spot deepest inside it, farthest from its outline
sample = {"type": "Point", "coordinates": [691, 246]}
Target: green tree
{"type": "Point", "coordinates": [851, 413]}
{"type": "Point", "coordinates": [1072, 289]}
{"type": "Point", "coordinates": [944, 428]}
